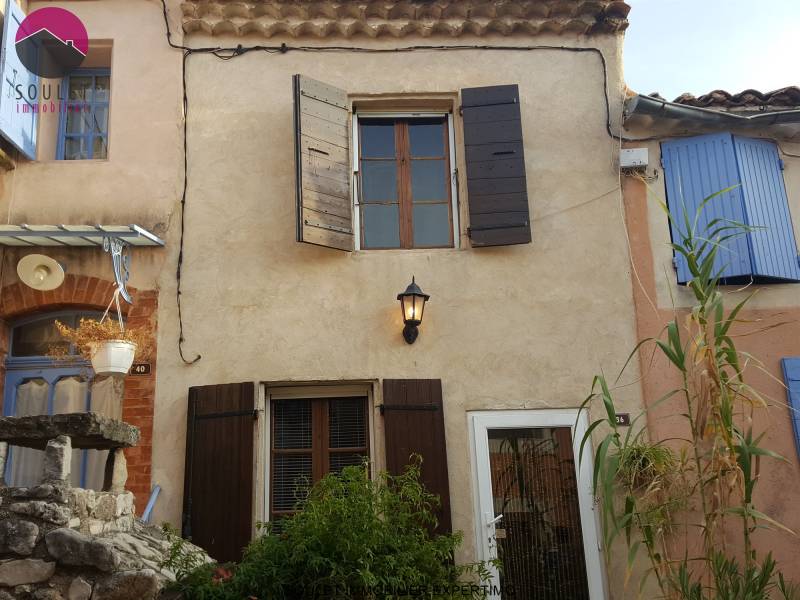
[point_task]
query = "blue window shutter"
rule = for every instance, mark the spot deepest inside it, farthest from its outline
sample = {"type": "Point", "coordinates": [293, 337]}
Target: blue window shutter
{"type": "Point", "coordinates": [16, 125]}
{"type": "Point", "coordinates": [774, 247]}
{"type": "Point", "coordinates": [694, 169]}
{"type": "Point", "coordinates": [791, 376]}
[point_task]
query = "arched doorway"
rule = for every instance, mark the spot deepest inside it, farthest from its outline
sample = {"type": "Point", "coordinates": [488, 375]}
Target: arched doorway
{"type": "Point", "coordinates": [37, 384]}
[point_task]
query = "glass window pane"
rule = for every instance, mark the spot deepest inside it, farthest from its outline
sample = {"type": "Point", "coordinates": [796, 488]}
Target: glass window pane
{"type": "Point", "coordinates": [79, 121]}
{"type": "Point", "coordinates": [80, 88]}
{"type": "Point", "coordinates": [292, 424]}
{"type": "Point", "coordinates": [102, 86]}
{"type": "Point", "coordinates": [38, 338]}
{"type": "Point", "coordinates": [381, 226]}
{"type": "Point", "coordinates": [347, 423]}
{"type": "Point", "coordinates": [429, 180]}
{"type": "Point", "coordinates": [291, 480]}
{"type": "Point", "coordinates": [377, 139]}
{"type": "Point", "coordinates": [76, 148]}
{"type": "Point", "coordinates": [378, 181]}
{"type": "Point", "coordinates": [25, 465]}
{"type": "Point", "coordinates": [100, 119]}
{"type": "Point", "coordinates": [427, 138]}
{"type": "Point", "coordinates": [99, 148]}
{"type": "Point", "coordinates": [431, 225]}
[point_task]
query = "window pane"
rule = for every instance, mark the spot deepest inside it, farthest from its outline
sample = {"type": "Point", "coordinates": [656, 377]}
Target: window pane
{"type": "Point", "coordinates": [292, 424]}
{"type": "Point", "coordinates": [377, 139]}
{"type": "Point", "coordinates": [428, 180]}
{"type": "Point", "coordinates": [291, 479]}
{"type": "Point", "coordinates": [80, 88]}
{"type": "Point", "coordinates": [102, 85]}
{"type": "Point", "coordinates": [76, 148]}
{"type": "Point", "coordinates": [38, 338]}
{"type": "Point", "coordinates": [379, 181]}
{"type": "Point", "coordinates": [79, 121]}
{"type": "Point", "coordinates": [340, 461]}
{"type": "Point", "coordinates": [347, 423]}
{"type": "Point", "coordinates": [99, 148]}
{"type": "Point", "coordinates": [431, 225]}
{"type": "Point", "coordinates": [26, 464]}
{"type": "Point", "coordinates": [381, 226]}
{"type": "Point", "coordinates": [100, 119]}
{"type": "Point", "coordinates": [427, 139]}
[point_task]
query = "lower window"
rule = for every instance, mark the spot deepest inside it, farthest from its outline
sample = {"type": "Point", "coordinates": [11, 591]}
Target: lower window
{"type": "Point", "coordinates": [311, 438]}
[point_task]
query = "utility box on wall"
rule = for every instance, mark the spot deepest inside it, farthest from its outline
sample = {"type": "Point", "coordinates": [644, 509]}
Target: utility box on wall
{"type": "Point", "coordinates": [633, 158]}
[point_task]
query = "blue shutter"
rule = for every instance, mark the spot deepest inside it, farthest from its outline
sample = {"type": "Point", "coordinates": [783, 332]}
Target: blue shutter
{"type": "Point", "coordinates": [791, 376]}
{"type": "Point", "coordinates": [694, 169]}
{"type": "Point", "coordinates": [774, 248]}
{"type": "Point", "coordinates": [16, 125]}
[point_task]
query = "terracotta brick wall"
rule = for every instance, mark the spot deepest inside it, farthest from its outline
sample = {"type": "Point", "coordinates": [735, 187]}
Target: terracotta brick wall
{"type": "Point", "coordinates": [81, 292]}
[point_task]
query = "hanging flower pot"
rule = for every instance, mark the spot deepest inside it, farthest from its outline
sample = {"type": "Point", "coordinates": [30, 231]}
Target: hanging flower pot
{"type": "Point", "coordinates": [112, 357]}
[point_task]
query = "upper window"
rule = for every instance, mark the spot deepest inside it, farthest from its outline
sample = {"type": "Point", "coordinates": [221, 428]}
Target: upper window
{"type": "Point", "coordinates": [697, 167]}
{"type": "Point", "coordinates": [405, 198]}
{"type": "Point", "coordinates": [84, 120]}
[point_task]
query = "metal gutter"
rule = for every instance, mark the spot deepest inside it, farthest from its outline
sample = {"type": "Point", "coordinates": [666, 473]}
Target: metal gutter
{"type": "Point", "coordinates": [663, 109]}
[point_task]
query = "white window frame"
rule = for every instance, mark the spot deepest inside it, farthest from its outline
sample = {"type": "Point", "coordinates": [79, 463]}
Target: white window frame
{"type": "Point", "coordinates": [479, 424]}
{"type": "Point", "coordinates": [267, 393]}
{"type": "Point", "coordinates": [365, 115]}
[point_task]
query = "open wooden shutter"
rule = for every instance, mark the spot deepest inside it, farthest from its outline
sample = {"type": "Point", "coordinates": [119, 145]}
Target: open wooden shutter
{"type": "Point", "coordinates": [218, 480]}
{"type": "Point", "coordinates": [498, 194]}
{"type": "Point", "coordinates": [414, 424]}
{"type": "Point", "coordinates": [18, 121]}
{"type": "Point", "coordinates": [791, 377]}
{"type": "Point", "coordinates": [322, 162]}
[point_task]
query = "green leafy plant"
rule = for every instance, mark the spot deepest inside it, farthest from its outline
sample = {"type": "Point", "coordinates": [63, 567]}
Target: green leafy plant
{"type": "Point", "coordinates": [353, 538]}
{"type": "Point", "coordinates": [660, 495]}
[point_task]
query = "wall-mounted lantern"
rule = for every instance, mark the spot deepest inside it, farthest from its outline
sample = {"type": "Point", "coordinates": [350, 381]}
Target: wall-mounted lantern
{"type": "Point", "coordinates": [412, 301]}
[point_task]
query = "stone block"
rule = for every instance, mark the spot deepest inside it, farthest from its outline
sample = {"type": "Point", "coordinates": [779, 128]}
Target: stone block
{"type": "Point", "coordinates": [46, 511]}
{"type": "Point", "coordinates": [54, 492]}
{"type": "Point", "coordinates": [86, 430]}
{"type": "Point", "coordinates": [106, 507]}
{"type": "Point", "coordinates": [25, 571]}
{"type": "Point", "coordinates": [124, 504]}
{"type": "Point", "coordinates": [128, 585]}
{"type": "Point", "coordinates": [70, 547]}
{"type": "Point", "coordinates": [3, 458]}
{"type": "Point", "coordinates": [79, 589]}
{"type": "Point", "coordinates": [58, 459]}
{"type": "Point", "coordinates": [119, 472]}
{"type": "Point", "coordinates": [47, 594]}
{"type": "Point", "coordinates": [18, 536]}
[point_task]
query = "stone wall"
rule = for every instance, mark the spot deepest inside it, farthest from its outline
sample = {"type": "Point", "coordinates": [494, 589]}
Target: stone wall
{"type": "Point", "coordinates": [63, 543]}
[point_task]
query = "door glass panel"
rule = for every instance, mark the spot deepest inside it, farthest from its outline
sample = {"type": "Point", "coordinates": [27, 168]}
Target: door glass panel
{"type": "Point", "coordinates": [26, 463]}
{"type": "Point", "coordinates": [539, 538]}
{"type": "Point", "coordinates": [106, 399]}
{"type": "Point", "coordinates": [69, 396]}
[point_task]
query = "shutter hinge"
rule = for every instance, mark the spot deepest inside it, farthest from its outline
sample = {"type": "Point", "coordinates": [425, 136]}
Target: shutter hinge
{"type": "Point", "coordinates": [328, 227]}
{"type": "Point", "coordinates": [781, 164]}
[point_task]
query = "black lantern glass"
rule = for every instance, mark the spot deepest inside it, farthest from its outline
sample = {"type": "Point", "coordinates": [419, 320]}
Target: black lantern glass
{"type": "Point", "coordinates": [412, 302]}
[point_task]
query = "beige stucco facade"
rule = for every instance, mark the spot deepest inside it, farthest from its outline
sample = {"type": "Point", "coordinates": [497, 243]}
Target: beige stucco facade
{"type": "Point", "coordinates": [518, 327]}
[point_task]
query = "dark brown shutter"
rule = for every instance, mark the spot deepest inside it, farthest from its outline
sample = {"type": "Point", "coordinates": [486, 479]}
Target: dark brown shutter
{"type": "Point", "coordinates": [414, 424]}
{"type": "Point", "coordinates": [496, 185]}
{"type": "Point", "coordinates": [218, 480]}
{"type": "Point", "coordinates": [322, 163]}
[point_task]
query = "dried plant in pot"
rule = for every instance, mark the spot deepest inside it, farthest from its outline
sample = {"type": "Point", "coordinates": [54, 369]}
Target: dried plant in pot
{"type": "Point", "coordinates": [109, 345]}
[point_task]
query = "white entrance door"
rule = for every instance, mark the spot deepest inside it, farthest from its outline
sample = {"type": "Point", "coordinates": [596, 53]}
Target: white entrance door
{"type": "Point", "coordinates": [534, 505]}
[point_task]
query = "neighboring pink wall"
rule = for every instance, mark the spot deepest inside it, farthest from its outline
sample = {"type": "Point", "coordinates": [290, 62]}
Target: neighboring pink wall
{"type": "Point", "coordinates": [778, 491]}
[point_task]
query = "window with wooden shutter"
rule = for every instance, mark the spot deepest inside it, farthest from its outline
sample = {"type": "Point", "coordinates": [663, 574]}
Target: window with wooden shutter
{"type": "Point", "coordinates": [413, 423]}
{"type": "Point", "coordinates": [312, 437]}
{"type": "Point", "coordinates": [697, 167]}
{"type": "Point", "coordinates": [494, 152]}
{"type": "Point", "coordinates": [322, 163]}
{"type": "Point", "coordinates": [791, 377]}
{"type": "Point", "coordinates": [220, 440]}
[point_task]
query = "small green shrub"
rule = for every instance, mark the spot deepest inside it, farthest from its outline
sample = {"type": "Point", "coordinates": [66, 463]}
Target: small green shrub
{"type": "Point", "coordinates": [354, 538]}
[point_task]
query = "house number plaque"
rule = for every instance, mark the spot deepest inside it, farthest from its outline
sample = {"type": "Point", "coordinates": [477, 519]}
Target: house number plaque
{"type": "Point", "coordinates": [623, 419]}
{"type": "Point", "coordinates": [140, 369]}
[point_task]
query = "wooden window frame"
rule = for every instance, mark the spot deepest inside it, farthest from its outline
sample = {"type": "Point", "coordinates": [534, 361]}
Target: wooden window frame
{"type": "Point", "coordinates": [93, 105]}
{"type": "Point", "coordinates": [403, 160]}
{"type": "Point", "coordinates": [320, 450]}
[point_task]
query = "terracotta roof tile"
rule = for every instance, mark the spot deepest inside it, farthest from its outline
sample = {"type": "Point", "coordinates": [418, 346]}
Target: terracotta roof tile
{"type": "Point", "coordinates": [400, 18]}
{"type": "Point", "coordinates": [788, 97]}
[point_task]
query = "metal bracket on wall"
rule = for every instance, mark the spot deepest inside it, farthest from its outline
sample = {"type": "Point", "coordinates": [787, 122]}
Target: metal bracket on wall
{"type": "Point", "coordinates": [122, 264]}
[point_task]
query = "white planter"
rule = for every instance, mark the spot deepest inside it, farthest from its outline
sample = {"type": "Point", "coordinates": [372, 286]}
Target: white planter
{"type": "Point", "coordinates": [112, 357]}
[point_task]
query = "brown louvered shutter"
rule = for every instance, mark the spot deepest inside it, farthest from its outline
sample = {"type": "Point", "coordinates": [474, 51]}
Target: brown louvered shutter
{"type": "Point", "coordinates": [496, 184]}
{"type": "Point", "coordinates": [414, 424]}
{"type": "Point", "coordinates": [218, 478]}
{"type": "Point", "coordinates": [322, 163]}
